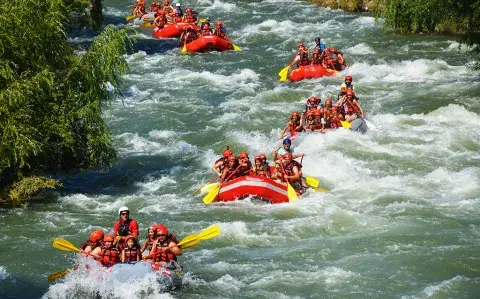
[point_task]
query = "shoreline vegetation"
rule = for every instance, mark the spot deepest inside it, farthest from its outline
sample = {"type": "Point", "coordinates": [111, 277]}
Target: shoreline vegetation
{"type": "Point", "coordinates": [51, 97]}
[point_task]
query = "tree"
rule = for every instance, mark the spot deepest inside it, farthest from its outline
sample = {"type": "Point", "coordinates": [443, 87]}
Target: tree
{"type": "Point", "coordinates": [50, 97]}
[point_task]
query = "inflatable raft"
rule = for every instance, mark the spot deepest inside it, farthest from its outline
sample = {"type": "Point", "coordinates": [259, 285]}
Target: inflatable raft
{"type": "Point", "coordinates": [257, 186]}
{"type": "Point", "coordinates": [205, 43]}
{"type": "Point", "coordinates": [170, 276]}
{"type": "Point", "coordinates": [172, 30]}
{"type": "Point", "coordinates": [310, 72]}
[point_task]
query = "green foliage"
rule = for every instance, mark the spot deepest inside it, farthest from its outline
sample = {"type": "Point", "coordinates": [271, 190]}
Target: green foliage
{"type": "Point", "coordinates": [27, 187]}
{"type": "Point", "coordinates": [51, 98]}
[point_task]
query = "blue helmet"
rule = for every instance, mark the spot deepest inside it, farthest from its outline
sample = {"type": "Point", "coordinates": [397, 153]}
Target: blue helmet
{"type": "Point", "coordinates": [287, 140]}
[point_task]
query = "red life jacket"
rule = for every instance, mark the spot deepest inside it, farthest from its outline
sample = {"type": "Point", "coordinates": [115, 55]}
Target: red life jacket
{"type": "Point", "coordinates": [91, 244]}
{"type": "Point", "coordinates": [131, 254]}
{"type": "Point", "coordinates": [231, 173]}
{"type": "Point", "coordinates": [263, 170]}
{"type": "Point", "coordinates": [192, 35]}
{"type": "Point", "coordinates": [289, 168]}
{"type": "Point", "coordinates": [177, 19]}
{"type": "Point", "coordinates": [109, 256]}
{"type": "Point", "coordinates": [293, 126]}
{"type": "Point", "coordinates": [160, 22]}
{"type": "Point", "coordinates": [220, 34]}
{"type": "Point", "coordinates": [206, 32]}
{"type": "Point", "coordinates": [124, 227]}
{"type": "Point", "coordinates": [164, 256]}
{"type": "Point", "coordinates": [244, 170]}
{"type": "Point", "coordinates": [332, 119]}
{"type": "Point", "coordinates": [189, 19]}
{"type": "Point", "coordinates": [351, 108]}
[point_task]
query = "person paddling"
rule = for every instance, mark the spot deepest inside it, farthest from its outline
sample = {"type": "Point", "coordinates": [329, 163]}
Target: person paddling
{"type": "Point", "coordinates": [165, 247]}
{"type": "Point", "coordinates": [95, 240]}
{"type": "Point", "coordinates": [286, 148]}
{"type": "Point", "coordinates": [219, 165]}
{"type": "Point", "coordinates": [108, 255]}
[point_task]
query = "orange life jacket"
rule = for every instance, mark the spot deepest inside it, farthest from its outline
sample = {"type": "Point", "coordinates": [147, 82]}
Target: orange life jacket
{"type": "Point", "coordinates": [177, 19]}
{"type": "Point", "coordinates": [351, 108]}
{"type": "Point", "coordinates": [189, 19]}
{"type": "Point", "coordinates": [164, 256]}
{"type": "Point", "coordinates": [109, 256]}
{"type": "Point", "coordinates": [294, 125]}
{"type": "Point", "coordinates": [263, 170]}
{"type": "Point", "coordinates": [131, 254]}
{"type": "Point", "coordinates": [160, 22]}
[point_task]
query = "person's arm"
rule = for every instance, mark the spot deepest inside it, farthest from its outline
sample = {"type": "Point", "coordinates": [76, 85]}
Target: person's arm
{"type": "Point", "coordinates": [144, 246]}
{"type": "Point", "coordinates": [224, 174]}
{"type": "Point", "coordinates": [154, 249]}
{"type": "Point", "coordinates": [359, 107]}
{"type": "Point", "coordinates": [275, 155]}
{"type": "Point", "coordinates": [216, 166]}
{"type": "Point", "coordinates": [293, 177]}
{"type": "Point", "coordinates": [174, 249]}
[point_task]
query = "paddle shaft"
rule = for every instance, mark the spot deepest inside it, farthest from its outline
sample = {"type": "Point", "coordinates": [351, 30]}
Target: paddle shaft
{"type": "Point", "coordinates": [211, 181]}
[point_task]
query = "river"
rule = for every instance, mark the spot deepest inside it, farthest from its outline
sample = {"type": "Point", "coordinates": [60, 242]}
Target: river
{"type": "Point", "coordinates": [401, 219]}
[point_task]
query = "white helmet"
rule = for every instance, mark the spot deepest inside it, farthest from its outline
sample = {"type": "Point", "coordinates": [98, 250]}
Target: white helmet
{"type": "Point", "coordinates": [178, 4]}
{"type": "Point", "coordinates": [122, 209]}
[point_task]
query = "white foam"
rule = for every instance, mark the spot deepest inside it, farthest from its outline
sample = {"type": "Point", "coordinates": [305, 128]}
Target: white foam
{"type": "Point", "coordinates": [359, 49]}
{"type": "Point", "coordinates": [133, 144]}
{"type": "Point", "coordinates": [216, 6]}
{"type": "Point", "coordinates": [3, 273]}
{"type": "Point", "coordinates": [153, 185]}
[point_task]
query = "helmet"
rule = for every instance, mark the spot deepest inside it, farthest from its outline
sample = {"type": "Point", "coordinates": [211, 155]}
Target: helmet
{"type": "Point", "coordinates": [317, 39]}
{"type": "Point", "coordinates": [317, 113]}
{"type": "Point", "coordinates": [219, 24]}
{"type": "Point", "coordinates": [328, 100]}
{"type": "Point", "coordinates": [177, 5]}
{"type": "Point", "coordinates": [160, 12]}
{"type": "Point", "coordinates": [301, 45]}
{"type": "Point", "coordinates": [348, 78]}
{"type": "Point", "coordinates": [108, 238]}
{"type": "Point", "coordinates": [334, 49]}
{"type": "Point", "coordinates": [349, 92]}
{"type": "Point", "coordinates": [130, 237]}
{"type": "Point", "coordinates": [162, 230]}
{"type": "Point", "coordinates": [227, 152]}
{"type": "Point", "coordinates": [263, 156]}
{"type": "Point", "coordinates": [123, 209]}
{"type": "Point", "coordinates": [96, 235]}
{"type": "Point", "coordinates": [316, 50]}
{"type": "Point", "coordinates": [258, 158]}
{"type": "Point", "coordinates": [232, 158]}
{"type": "Point", "coordinates": [166, 2]}
{"type": "Point", "coordinates": [188, 10]}
{"type": "Point", "coordinates": [313, 99]}
{"type": "Point", "coordinates": [287, 140]}
{"type": "Point", "coordinates": [243, 155]}
{"type": "Point", "coordinates": [288, 156]}
{"type": "Point", "coordinates": [206, 26]}
{"type": "Point", "coordinates": [295, 113]}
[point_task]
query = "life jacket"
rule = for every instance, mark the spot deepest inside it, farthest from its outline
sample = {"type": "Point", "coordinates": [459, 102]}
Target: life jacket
{"type": "Point", "coordinates": [316, 59]}
{"type": "Point", "coordinates": [350, 108]}
{"type": "Point", "coordinates": [109, 256]}
{"type": "Point", "coordinates": [160, 22]}
{"type": "Point", "coordinates": [303, 60]}
{"type": "Point", "coordinates": [149, 242]}
{"type": "Point", "coordinates": [294, 125]}
{"type": "Point", "coordinates": [232, 173]}
{"type": "Point", "coordinates": [206, 32]}
{"type": "Point", "coordinates": [123, 228]}
{"type": "Point", "coordinates": [289, 169]}
{"type": "Point", "coordinates": [263, 170]}
{"type": "Point", "coordinates": [219, 33]}
{"type": "Point", "coordinates": [193, 35]}
{"type": "Point", "coordinates": [244, 170]}
{"type": "Point", "coordinates": [164, 256]}
{"type": "Point", "coordinates": [332, 117]}
{"type": "Point", "coordinates": [91, 244]}
{"type": "Point", "coordinates": [177, 19]}
{"type": "Point", "coordinates": [131, 253]}
{"type": "Point", "coordinates": [189, 19]}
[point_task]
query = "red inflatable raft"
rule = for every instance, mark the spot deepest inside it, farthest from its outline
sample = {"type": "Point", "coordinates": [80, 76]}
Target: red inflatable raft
{"type": "Point", "coordinates": [257, 186]}
{"type": "Point", "coordinates": [172, 30]}
{"type": "Point", "coordinates": [209, 43]}
{"type": "Point", "coordinates": [310, 72]}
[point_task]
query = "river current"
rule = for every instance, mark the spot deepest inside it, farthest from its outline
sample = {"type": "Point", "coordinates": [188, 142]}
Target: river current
{"type": "Point", "coordinates": [400, 220]}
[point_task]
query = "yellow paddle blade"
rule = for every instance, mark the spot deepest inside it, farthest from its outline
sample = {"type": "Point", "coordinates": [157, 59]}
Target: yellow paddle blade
{"type": "Point", "coordinates": [312, 182]}
{"type": "Point", "coordinates": [209, 187]}
{"type": "Point", "coordinates": [130, 18]}
{"type": "Point", "coordinates": [64, 245]}
{"type": "Point", "coordinates": [59, 274]}
{"type": "Point", "coordinates": [236, 48]}
{"type": "Point", "coordinates": [346, 124]}
{"type": "Point", "coordinates": [292, 195]}
{"type": "Point", "coordinates": [184, 49]}
{"type": "Point", "coordinates": [210, 197]}
{"type": "Point", "coordinates": [202, 20]}
{"type": "Point", "coordinates": [209, 233]}
{"type": "Point", "coordinates": [320, 189]}
{"type": "Point", "coordinates": [146, 25]}
{"type": "Point", "coordinates": [284, 73]}
{"type": "Point", "coordinates": [189, 241]}
{"type": "Point", "coordinates": [148, 19]}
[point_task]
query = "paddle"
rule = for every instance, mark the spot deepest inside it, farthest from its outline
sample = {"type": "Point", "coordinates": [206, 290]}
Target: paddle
{"type": "Point", "coordinates": [236, 48]}
{"type": "Point", "coordinates": [184, 49]}
{"type": "Point", "coordinates": [312, 182]}
{"type": "Point", "coordinates": [209, 187]}
{"type": "Point", "coordinates": [370, 125]}
{"type": "Point", "coordinates": [210, 197]}
{"type": "Point", "coordinates": [130, 18]}
{"type": "Point", "coordinates": [284, 73]}
{"type": "Point", "coordinates": [59, 274]}
{"type": "Point", "coordinates": [345, 124]}
{"type": "Point", "coordinates": [205, 185]}
{"type": "Point", "coordinates": [146, 25]}
{"type": "Point", "coordinates": [147, 19]}
{"type": "Point", "coordinates": [202, 20]}
{"type": "Point", "coordinates": [64, 245]}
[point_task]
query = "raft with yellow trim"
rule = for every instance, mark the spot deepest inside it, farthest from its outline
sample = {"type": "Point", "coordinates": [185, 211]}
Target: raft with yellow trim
{"type": "Point", "coordinates": [310, 72]}
{"type": "Point", "coordinates": [211, 42]}
{"type": "Point", "coordinates": [256, 186]}
{"type": "Point", "coordinates": [172, 30]}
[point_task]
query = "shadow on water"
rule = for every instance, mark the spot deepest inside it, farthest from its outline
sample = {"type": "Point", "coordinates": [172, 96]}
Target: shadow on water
{"type": "Point", "coordinates": [12, 287]}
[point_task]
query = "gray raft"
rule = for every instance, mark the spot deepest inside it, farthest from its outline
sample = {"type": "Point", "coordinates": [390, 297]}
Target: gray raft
{"type": "Point", "coordinates": [170, 276]}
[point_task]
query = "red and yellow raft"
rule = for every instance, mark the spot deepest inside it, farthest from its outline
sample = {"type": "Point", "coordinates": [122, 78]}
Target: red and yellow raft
{"type": "Point", "coordinates": [212, 42]}
{"type": "Point", "coordinates": [257, 186]}
{"type": "Point", "coordinates": [310, 72]}
{"type": "Point", "coordinates": [172, 30]}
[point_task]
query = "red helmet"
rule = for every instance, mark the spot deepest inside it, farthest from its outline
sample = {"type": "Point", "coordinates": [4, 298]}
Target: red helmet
{"type": "Point", "coordinates": [316, 50]}
{"type": "Point", "coordinates": [243, 155]}
{"type": "Point", "coordinates": [334, 49]}
{"type": "Point", "coordinates": [295, 113]}
{"type": "Point", "coordinates": [219, 24]}
{"type": "Point", "coordinates": [108, 238]}
{"type": "Point", "coordinates": [188, 10]}
{"type": "Point", "coordinates": [349, 92]}
{"type": "Point", "coordinates": [328, 100]}
{"type": "Point", "coordinates": [162, 230]}
{"type": "Point", "coordinates": [160, 12]}
{"type": "Point", "coordinates": [96, 235]}
{"type": "Point", "coordinates": [227, 153]}
{"type": "Point", "coordinates": [232, 158]}
{"type": "Point", "coordinates": [348, 78]}
{"type": "Point", "coordinates": [258, 158]}
{"type": "Point", "coordinates": [263, 156]}
{"type": "Point", "coordinates": [288, 156]}
{"type": "Point", "coordinates": [317, 113]}
{"type": "Point", "coordinates": [301, 45]}
{"type": "Point", "coordinates": [166, 2]}
{"type": "Point", "coordinates": [313, 99]}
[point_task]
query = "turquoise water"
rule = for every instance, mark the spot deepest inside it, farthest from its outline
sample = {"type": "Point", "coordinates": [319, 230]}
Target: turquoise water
{"type": "Point", "coordinates": [400, 221]}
